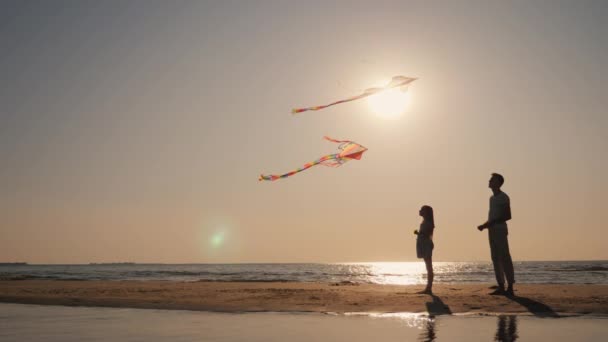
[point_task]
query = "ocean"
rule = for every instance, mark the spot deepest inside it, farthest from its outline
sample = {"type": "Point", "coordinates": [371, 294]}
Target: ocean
{"type": "Point", "coordinates": [527, 272]}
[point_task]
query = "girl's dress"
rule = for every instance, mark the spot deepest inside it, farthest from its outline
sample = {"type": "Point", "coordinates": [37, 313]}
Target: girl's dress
{"type": "Point", "coordinates": [424, 242]}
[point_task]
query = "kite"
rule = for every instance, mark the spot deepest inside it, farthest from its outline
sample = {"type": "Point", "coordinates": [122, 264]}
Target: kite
{"type": "Point", "coordinates": [348, 151]}
{"type": "Point", "coordinates": [397, 81]}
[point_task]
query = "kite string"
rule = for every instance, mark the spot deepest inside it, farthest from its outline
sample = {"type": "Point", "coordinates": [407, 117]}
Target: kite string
{"type": "Point", "coordinates": [397, 81]}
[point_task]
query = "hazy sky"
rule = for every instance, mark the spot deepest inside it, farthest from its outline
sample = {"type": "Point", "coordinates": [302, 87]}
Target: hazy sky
{"type": "Point", "coordinates": [136, 130]}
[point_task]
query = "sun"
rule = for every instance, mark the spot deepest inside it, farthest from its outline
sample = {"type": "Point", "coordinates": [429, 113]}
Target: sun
{"type": "Point", "coordinates": [389, 104]}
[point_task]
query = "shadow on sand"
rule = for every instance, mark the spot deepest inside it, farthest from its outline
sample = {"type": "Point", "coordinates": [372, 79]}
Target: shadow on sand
{"type": "Point", "coordinates": [437, 307]}
{"type": "Point", "coordinates": [536, 308]}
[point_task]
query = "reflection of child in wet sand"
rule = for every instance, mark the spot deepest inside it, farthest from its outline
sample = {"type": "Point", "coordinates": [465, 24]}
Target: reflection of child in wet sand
{"type": "Point", "coordinates": [424, 244]}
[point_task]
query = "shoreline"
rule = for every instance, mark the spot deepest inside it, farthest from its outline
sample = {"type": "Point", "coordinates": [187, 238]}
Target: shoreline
{"type": "Point", "coordinates": [547, 300]}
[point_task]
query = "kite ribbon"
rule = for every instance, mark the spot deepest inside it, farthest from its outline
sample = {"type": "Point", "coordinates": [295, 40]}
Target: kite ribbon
{"type": "Point", "coordinates": [349, 151]}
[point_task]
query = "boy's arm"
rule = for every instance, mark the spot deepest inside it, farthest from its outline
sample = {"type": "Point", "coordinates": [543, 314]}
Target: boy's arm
{"type": "Point", "coordinates": [506, 216]}
{"type": "Point", "coordinates": [507, 212]}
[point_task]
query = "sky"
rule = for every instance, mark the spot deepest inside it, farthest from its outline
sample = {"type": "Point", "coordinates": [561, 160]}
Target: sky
{"type": "Point", "coordinates": [136, 130]}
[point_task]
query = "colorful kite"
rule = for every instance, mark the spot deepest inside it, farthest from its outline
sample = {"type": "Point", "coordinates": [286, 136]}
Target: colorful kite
{"type": "Point", "coordinates": [348, 150]}
{"type": "Point", "coordinates": [397, 81]}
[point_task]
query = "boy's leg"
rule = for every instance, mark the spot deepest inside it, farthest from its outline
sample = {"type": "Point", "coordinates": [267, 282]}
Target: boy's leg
{"type": "Point", "coordinates": [508, 267]}
{"type": "Point", "coordinates": [497, 262]}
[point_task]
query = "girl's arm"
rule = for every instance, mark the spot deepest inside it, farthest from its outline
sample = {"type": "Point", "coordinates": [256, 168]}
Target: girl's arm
{"type": "Point", "coordinates": [425, 229]}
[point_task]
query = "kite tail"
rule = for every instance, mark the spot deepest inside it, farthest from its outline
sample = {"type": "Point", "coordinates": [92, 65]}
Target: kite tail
{"type": "Point", "coordinates": [300, 110]}
{"type": "Point", "coordinates": [336, 141]}
{"type": "Point", "coordinates": [306, 166]}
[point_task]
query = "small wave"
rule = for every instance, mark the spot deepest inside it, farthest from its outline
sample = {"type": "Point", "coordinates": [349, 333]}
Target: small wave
{"type": "Point", "coordinates": [180, 273]}
{"type": "Point", "coordinates": [35, 277]}
{"type": "Point", "coordinates": [247, 280]}
{"type": "Point", "coordinates": [582, 269]}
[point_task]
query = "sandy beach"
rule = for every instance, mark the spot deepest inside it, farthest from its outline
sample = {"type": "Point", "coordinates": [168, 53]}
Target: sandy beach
{"type": "Point", "coordinates": [545, 300]}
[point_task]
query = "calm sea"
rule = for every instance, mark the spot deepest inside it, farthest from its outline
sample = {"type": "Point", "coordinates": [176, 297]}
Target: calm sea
{"type": "Point", "coordinates": [532, 272]}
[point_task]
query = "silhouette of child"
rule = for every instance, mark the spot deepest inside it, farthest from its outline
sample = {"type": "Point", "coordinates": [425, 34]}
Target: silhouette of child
{"type": "Point", "coordinates": [424, 244]}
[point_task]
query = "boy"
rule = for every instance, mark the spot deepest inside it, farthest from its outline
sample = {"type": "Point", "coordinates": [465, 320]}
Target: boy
{"type": "Point", "coordinates": [500, 213]}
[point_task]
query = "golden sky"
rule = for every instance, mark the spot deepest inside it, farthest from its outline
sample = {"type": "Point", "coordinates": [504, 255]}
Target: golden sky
{"type": "Point", "coordinates": [136, 130]}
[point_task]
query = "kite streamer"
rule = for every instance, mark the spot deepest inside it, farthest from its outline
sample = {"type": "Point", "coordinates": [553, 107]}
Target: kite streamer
{"type": "Point", "coordinates": [397, 81]}
{"type": "Point", "coordinates": [348, 151]}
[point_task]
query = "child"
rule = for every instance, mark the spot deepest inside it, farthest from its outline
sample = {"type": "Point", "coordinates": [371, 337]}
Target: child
{"type": "Point", "coordinates": [424, 244]}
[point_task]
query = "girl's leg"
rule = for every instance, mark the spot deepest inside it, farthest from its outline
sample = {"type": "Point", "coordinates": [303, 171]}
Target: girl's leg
{"type": "Point", "coordinates": [429, 271]}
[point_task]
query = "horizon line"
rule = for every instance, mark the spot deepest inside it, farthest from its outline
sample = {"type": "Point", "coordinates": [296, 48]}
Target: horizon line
{"type": "Point", "coordinates": [17, 263]}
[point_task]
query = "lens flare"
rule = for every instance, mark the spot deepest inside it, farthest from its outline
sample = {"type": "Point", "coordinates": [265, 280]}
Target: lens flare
{"type": "Point", "coordinates": [217, 239]}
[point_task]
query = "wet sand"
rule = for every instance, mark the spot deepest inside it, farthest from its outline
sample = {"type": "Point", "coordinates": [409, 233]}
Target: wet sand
{"type": "Point", "coordinates": [541, 300]}
{"type": "Point", "coordinates": [48, 323]}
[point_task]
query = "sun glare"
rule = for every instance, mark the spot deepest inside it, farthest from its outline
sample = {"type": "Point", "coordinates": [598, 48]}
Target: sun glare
{"type": "Point", "coordinates": [389, 104]}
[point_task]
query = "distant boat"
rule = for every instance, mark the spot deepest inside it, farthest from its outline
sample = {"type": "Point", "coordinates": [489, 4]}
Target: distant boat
{"type": "Point", "coordinates": [13, 263]}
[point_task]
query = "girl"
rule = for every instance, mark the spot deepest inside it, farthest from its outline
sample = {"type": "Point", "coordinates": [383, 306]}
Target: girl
{"type": "Point", "coordinates": [424, 244]}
